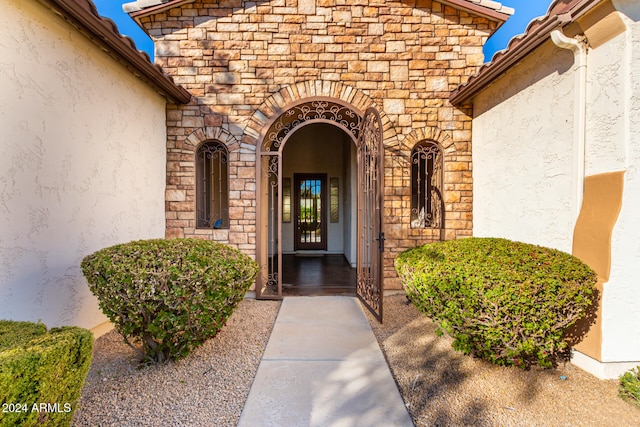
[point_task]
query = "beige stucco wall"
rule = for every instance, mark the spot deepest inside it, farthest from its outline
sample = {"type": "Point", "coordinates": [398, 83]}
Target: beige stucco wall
{"type": "Point", "coordinates": [525, 175]}
{"type": "Point", "coordinates": [523, 152]}
{"type": "Point", "coordinates": [82, 164]}
{"type": "Point", "coordinates": [616, 74]}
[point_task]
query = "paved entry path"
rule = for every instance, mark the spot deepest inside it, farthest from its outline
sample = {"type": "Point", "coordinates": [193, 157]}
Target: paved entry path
{"type": "Point", "coordinates": [323, 368]}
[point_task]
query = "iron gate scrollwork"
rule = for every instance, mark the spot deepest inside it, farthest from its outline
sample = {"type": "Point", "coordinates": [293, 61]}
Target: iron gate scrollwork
{"type": "Point", "coordinates": [269, 215]}
{"type": "Point", "coordinates": [366, 131]}
{"type": "Point", "coordinates": [272, 285]}
{"type": "Point", "coordinates": [317, 110]}
{"type": "Point", "coordinates": [370, 232]}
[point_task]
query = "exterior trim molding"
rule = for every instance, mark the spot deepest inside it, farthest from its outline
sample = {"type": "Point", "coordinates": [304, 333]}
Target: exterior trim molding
{"type": "Point", "coordinates": [139, 8]}
{"type": "Point", "coordinates": [489, 9]}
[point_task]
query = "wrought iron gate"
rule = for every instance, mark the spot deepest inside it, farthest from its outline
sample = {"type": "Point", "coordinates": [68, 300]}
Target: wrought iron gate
{"type": "Point", "coordinates": [366, 131]}
{"type": "Point", "coordinates": [370, 233]}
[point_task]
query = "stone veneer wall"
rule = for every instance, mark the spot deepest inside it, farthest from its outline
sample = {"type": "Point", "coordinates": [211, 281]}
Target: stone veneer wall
{"type": "Point", "coordinates": [233, 56]}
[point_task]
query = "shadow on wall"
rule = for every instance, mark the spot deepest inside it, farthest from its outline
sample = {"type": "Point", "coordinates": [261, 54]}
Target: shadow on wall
{"type": "Point", "coordinates": [578, 332]}
{"type": "Point", "coordinates": [543, 63]}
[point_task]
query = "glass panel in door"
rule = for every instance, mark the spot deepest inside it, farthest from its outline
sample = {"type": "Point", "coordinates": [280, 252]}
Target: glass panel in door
{"type": "Point", "coordinates": [310, 212]}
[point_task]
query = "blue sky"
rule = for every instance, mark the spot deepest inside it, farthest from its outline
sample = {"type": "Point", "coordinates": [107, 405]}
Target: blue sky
{"type": "Point", "coordinates": [526, 10]}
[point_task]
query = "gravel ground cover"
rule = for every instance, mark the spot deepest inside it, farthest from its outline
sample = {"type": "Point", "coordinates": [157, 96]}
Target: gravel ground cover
{"type": "Point", "coordinates": [207, 388]}
{"type": "Point", "coordinates": [444, 388]}
{"type": "Point", "coordinates": [440, 386]}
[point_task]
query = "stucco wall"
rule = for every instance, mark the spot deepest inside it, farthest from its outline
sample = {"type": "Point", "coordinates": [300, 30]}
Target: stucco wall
{"type": "Point", "coordinates": [621, 81]}
{"type": "Point", "coordinates": [524, 166]}
{"type": "Point", "coordinates": [523, 152]}
{"type": "Point", "coordinates": [82, 165]}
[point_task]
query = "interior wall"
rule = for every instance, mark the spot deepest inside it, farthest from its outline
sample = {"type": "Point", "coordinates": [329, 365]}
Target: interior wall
{"type": "Point", "coordinates": [319, 148]}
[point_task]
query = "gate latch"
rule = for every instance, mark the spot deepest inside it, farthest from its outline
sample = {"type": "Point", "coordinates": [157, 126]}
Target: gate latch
{"type": "Point", "coordinates": [381, 240]}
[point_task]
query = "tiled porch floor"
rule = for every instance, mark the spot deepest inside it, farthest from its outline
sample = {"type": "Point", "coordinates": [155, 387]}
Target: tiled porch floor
{"type": "Point", "coordinates": [317, 275]}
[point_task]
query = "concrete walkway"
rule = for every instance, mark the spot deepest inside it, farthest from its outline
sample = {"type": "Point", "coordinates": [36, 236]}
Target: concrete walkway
{"type": "Point", "coordinates": [323, 368]}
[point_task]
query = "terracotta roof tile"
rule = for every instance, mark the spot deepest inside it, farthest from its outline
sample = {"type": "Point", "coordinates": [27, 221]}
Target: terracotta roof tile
{"type": "Point", "coordinates": [495, 6]}
{"type": "Point", "coordinates": [560, 13]}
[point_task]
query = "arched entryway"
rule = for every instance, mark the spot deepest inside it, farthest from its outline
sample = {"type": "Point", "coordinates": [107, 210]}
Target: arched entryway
{"type": "Point", "coordinates": [319, 203]}
{"type": "Point", "coordinates": [364, 130]}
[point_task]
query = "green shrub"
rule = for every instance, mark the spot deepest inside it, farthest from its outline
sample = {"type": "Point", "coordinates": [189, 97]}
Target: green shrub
{"type": "Point", "coordinates": [41, 374]}
{"type": "Point", "coordinates": [13, 334]}
{"type": "Point", "coordinates": [168, 296]}
{"type": "Point", "coordinates": [507, 302]}
{"type": "Point", "coordinates": [630, 386]}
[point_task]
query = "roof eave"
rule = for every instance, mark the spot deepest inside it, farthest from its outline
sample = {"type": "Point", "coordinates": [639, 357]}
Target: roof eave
{"type": "Point", "coordinates": [137, 10]}
{"type": "Point", "coordinates": [82, 15]}
{"type": "Point", "coordinates": [503, 63]}
{"type": "Point", "coordinates": [477, 9]}
{"type": "Point", "coordinates": [140, 8]}
{"type": "Point", "coordinates": [524, 44]}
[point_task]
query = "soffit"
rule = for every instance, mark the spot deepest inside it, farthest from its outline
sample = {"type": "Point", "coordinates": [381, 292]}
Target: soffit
{"type": "Point", "coordinates": [561, 13]}
{"type": "Point", "coordinates": [83, 15]}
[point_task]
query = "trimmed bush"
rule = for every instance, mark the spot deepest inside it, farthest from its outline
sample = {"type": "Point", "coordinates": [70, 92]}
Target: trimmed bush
{"type": "Point", "coordinates": [13, 334]}
{"type": "Point", "coordinates": [506, 302]}
{"type": "Point", "coordinates": [41, 373]}
{"type": "Point", "coordinates": [168, 296]}
{"type": "Point", "coordinates": [630, 386]}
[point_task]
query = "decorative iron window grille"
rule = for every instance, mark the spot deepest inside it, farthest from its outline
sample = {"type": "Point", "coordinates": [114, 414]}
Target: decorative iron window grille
{"type": "Point", "coordinates": [427, 204]}
{"type": "Point", "coordinates": [212, 185]}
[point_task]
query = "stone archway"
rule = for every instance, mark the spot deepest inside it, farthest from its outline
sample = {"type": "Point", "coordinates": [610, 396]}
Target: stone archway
{"type": "Point", "coordinates": [269, 129]}
{"type": "Point", "coordinates": [291, 95]}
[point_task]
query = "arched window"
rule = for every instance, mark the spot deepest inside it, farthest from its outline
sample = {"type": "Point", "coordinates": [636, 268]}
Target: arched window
{"type": "Point", "coordinates": [427, 205]}
{"type": "Point", "coordinates": [212, 186]}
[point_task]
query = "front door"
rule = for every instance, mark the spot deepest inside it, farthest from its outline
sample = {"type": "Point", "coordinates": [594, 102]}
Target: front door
{"type": "Point", "coordinates": [310, 211]}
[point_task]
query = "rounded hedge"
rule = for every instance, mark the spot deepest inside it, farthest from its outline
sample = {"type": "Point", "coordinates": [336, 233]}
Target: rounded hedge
{"type": "Point", "coordinates": [504, 301]}
{"type": "Point", "coordinates": [169, 295]}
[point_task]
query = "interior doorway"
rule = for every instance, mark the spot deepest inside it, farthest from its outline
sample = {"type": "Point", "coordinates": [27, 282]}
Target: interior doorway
{"type": "Point", "coordinates": [319, 243]}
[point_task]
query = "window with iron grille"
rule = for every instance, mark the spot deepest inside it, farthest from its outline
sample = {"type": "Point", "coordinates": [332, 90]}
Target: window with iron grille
{"type": "Point", "coordinates": [212, 186]}
{"type": "Point", "coordinates": [427, 205]}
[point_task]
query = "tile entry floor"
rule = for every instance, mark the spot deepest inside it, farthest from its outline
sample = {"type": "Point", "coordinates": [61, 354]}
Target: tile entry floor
{"type": "Point", "coordinates": [317, 276]}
